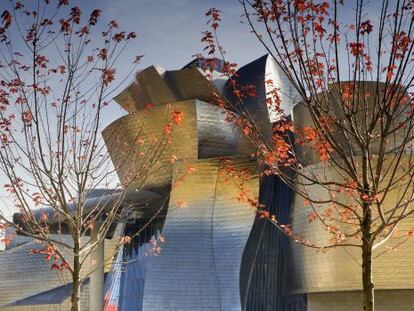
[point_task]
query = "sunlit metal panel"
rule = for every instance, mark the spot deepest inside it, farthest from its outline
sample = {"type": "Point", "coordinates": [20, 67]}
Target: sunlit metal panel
{"type": "Point", "coordinates": [199, 266]}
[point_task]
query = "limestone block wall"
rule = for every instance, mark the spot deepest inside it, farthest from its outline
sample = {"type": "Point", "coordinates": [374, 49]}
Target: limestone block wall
{"type": "Point", "coordinates": [339, 269]}
{"type": "Point", "coordinates": [397, 300]}
{"type": "Point", "coordinates": [199, 266]}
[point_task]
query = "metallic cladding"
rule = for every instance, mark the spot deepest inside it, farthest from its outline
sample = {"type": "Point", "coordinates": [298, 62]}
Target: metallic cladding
{"type": "Point", "coordinates": [385, 300]}
{"type": "Point", "coordinates": [262, 274]}
{"type": "Point", "coordinates": [156, 86]}
{"type": "Point", "coordinates": [333, 103]}
{"type": "Point", "coordinates": [23, 274]}
{"type": "Point", "coordinates": [258, 73]}
{"type": "Point", "coordinates": [203, 133]}
{"type": "Point", "coordinates": [332, 279]}
{"type": "Point", "coordinates": [200, 263]}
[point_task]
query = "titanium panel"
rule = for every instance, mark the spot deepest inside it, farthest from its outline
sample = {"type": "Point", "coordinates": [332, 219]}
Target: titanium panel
{"type": "Point", "coordinates": [205, 242]}
{"type": "Point", "coordinates": [152, 83]}
{"type": "Point", "coordinates": [149, 87]}
{"type": "Point", "coordinates": [257, 73]}
{"type": "Point", "coordinates": [302, 117]}
{"type": "Point", "coordinates": [202, 133]}
{"type": "Point", "coordinates": [183, 277]}
{"type": "Point", "coordinates": [156, 86]}
{"type": "Point", "coordinates": [232, 223]}
{"type": "Point", "coordinates": [262, 275]}
{"type": "Point", "coordinates": [23, 274]}
{"type": "Point", "coordinates": [190, 83]}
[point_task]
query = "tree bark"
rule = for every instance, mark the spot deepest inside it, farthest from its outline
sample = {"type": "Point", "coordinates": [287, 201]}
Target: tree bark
{"type": "Point", "coordinates": [367, 283]}
{"type": "Point", "coordinates": [75, 298]}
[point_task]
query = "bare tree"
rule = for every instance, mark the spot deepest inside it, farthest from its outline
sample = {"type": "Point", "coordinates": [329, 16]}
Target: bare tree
{"type": "Point", "coordinates": [351, 134]}
{"type": "Point", "coordinates": [57, 78]}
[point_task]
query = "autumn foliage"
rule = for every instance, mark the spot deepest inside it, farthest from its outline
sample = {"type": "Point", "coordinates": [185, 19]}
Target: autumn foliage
{"type": "Point", "coordinates": [59, 71]}
{"type": "Point", "coordinates": [353, 80]}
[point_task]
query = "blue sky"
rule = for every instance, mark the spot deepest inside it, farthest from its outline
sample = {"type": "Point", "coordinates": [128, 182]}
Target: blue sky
{"type": "Point", "coordinates": [169, 33]}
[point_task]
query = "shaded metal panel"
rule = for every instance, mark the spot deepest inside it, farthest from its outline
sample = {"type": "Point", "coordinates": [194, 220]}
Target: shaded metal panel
{"type": "Point", "coordinates": [121, 140]}
{"type": "Point", "coordinates": [189, 84]}
{"type": "Point", "coordinates": [254, 74]}
{"type": "Point", "coordinates": [149, 87]}
{"type": "Point", "coordinates": [152, 82]}
{"type": "Point", "coordinates": [133, 279]}
{"type": "Point", "coordinates": [216, 137]}
{"type": "Point", "coordinates": [156, 86]}
{"type": "Point", "coordinates": [104, 202]}
{"type": "Point", "coordinates": [200, 263]}
{"type": "Point", "coordinates": [232, 222]}
{"type": "Point", "coordinates": [130, 97]}
{"type": "Point", "coordinates": [23, 274]}
{"type": "Point", "coordinates": [136, 259]}
{"type": "Point", "coordinates": [368, 103]}
{"type": "Point", "coordinates": [262, 277]}
{"type": "Point", "coordinates": [257, 73]}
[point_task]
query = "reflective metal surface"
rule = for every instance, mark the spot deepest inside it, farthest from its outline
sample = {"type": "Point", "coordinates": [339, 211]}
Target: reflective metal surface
{"type": "Point", "coordinates": [390, 300]}
{"type": "Point", "coordinates": [369, 103]}
{"type": "Point", "coordinates": [219, 254]}
{"type": "Point", "coordinates": [199, 266]}
{"type": "Point", "coordinates": [156, 86]}
{"type": "Point", "coordinates": [338, 269]}
{"type": "Point", "coordinates": [23, 274]}
{"type": "Point", "coordinates": [203, 133]}
{"type": "Point", "coordinates": [256, 74]}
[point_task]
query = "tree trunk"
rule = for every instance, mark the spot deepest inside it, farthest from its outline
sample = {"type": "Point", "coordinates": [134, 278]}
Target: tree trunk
{"type": "Point", "coordinates": [367, 283]}
{"type": "Point", "coordinates": [75, 298]}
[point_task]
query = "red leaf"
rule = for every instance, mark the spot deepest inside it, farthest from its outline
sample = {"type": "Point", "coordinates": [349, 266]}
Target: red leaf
{"type": "Point", "coordinates": [177, 117]}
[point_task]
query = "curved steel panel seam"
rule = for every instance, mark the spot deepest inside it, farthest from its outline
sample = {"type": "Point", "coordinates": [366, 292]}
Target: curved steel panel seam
{"type": "Point", "coordinates": [253, 264]}
{"type": "Point", "coordinates": [212, 240]}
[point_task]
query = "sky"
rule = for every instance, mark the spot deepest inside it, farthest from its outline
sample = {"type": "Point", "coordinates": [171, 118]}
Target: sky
{"type": "Point", "coordinates": [169, 31]}
{"type": "Point", "coordinates": [168, 34]}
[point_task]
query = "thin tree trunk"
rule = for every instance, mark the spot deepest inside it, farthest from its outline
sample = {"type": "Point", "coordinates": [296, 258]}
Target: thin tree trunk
{"type": "Point", "coordinates": [75, 298]}
{"type": "Point", "coordinates": [367, 283]}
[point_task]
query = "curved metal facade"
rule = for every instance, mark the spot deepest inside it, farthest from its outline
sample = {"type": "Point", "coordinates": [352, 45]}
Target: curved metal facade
{"type": "Point", "coordinates": [203, 133]}
{"type": "Point", "coordinates": [332, 101]}
{"type": "Point", "coordinates": [256, 74]}
{"type": "Point", "coordinates": [262, 276]}
{"type": "Point", "coordinates": [156, 86]}
{"type": "Point", "coordinates": [219, 254]}
{"type": "Point", "coordinates": [318, 273]}
{"type": "Point", "coordinates": [23, 275]}
{"type": "Point", "coordinates": [397, 300]}
{"type": "Point", "coordinates": [202, 257]}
